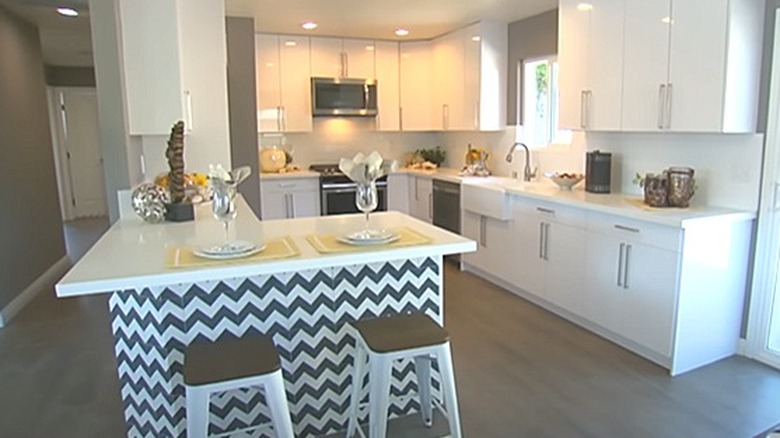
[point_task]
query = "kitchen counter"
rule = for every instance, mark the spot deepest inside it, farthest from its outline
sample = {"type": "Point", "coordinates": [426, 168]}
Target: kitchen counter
{"type": "Point", "coordinates": [305, 303]}
{"type": "Point", "coordinates": [287, 175]}
{"type": "Point", "coordinates": [626, 205]}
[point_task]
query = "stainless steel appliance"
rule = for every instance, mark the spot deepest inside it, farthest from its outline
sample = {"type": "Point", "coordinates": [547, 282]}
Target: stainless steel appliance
{"type": "Point", "coordinates": [446, 205]}
{"type": "Point", "coordinates": [337, 191]}
{"type": "Point", "coordinates": [598, 172]}
{"type": "Point", "coordinates": [343, 97]}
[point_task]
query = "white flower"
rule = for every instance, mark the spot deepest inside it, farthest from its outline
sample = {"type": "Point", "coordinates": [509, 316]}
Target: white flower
{"type": "Point", "coordinates": [219, 172]}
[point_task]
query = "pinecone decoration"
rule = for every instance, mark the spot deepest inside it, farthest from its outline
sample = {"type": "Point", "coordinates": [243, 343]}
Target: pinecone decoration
{"type": "Point", "coordinates": [175, 155]}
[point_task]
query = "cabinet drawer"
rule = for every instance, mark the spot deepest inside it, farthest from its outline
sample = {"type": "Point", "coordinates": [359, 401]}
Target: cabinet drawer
{"type": "Point", "coordinates": [288, 185]}
{"type": "Point", "coordinates": [638, 231]}
{"type": "Point", "coordinates": [553, 212]}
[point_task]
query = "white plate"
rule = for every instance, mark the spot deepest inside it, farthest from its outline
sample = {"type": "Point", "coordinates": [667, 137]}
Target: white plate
{"type": "Point", "coordinates": [359, 238]}
{"type": "Point", "coordinates": [214, 253]}
{"type": "Point", "coordinates": [228, 248]}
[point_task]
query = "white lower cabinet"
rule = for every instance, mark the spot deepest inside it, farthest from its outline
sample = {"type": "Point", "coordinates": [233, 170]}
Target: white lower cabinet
{"type": "Point", "coordinates": [494, 241]}
{"type": "Point", "coordinates": [421, 198]}
{"type": "Point", "coordinates": [289, 198]}
{"type": "Point", "coordinates": [398, 191]}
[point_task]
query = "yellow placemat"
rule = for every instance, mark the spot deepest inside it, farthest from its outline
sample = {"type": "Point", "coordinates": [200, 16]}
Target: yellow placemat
{"type": "Point", "coordinates": [329, 243]}
{"type": "Point", "coordinates": [280, 248]}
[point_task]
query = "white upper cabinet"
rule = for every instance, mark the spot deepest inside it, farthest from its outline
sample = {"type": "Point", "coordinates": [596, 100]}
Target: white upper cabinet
{"type": "Point", "coordinates": [590, 55]}
{"type": "Point", "coordinates": [342, 58]}
{"type": "Point", "coordinates": [388, 86]}
{"type": "Point", "coordinates": [283, 83]}
{"type": "Point", "coordinates": [416, 65]}
{"type": "Point", "coordinates": [470, 66]}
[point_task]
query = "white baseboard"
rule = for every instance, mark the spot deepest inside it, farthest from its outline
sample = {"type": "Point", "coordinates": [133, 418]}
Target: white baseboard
{"type": "Point", "coordinates": [45, 281]}
{"type": "Point", "coordinates": [742, 347]}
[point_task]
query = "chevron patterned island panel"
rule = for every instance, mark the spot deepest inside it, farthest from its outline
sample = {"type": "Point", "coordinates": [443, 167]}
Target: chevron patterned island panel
{"type": "Point", "coordinates": [306, 312]}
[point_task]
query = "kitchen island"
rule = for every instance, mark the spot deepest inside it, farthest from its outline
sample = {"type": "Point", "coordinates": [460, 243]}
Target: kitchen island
{"type": "Point", "coordinates": [304, 300]}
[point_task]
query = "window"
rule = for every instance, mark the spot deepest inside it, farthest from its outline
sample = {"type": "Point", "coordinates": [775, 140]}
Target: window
{"type": "Point", "coordinates": [540, 103]}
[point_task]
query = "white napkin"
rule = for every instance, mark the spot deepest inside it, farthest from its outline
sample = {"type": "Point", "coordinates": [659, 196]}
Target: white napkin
{"type": "Point", "coordinates": [364, 169]}
{"type": "Point", "coordinates": [233, 177]}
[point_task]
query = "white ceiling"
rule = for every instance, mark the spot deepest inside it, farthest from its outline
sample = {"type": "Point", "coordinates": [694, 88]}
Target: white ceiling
{"type": "Point", "coordinates": [67, 41]}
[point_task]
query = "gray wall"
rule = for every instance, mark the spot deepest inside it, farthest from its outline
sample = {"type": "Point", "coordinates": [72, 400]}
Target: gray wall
{"type": "Point", "coordinates": [242, 104]}
{"type": "Point", "coordinates": [70, 76]}
{"type": "Point", "coordinates": [532, 37]}
{"type": "Point", "coordinates": [766, 67]}
{"type": "Point", "coordinates": [30, 224]}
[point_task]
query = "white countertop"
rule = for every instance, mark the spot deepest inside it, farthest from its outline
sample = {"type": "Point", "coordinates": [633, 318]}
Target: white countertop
{"type": "Point", "coordinates": [293, 174]}
{"type": "Point", "coordinates": [132, 252]}
{"type": "Point", "coordinates": [621, 204]}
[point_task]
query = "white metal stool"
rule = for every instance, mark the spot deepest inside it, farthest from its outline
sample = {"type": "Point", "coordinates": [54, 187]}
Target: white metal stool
{"type": "Point", "coordinates": [383, 340]}
{"type": "Point", "coordinates": [211, 367]}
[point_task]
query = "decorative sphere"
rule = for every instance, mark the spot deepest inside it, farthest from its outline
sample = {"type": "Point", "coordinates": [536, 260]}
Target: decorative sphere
{"type": "Point", "coordinates": [149, 202]}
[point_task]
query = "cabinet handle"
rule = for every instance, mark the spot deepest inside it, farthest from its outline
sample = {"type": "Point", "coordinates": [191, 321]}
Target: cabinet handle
{"type": "Point", "coordinates": [582, 109]}
{"type": "Point", "coordinates": [284, 118]}
{"type": "Point", "coordinates": [545, 210]}
{"type": "Point", "coordinates": [625, 228]}
{"type": "Point", "coordinates": [400, 118]}
{"type": "Point", "coordinates": [669, 94]}
{"type": "Point", "coordinates": [188, 109]}
{"type": "Point", "coordinates": [661, 105]}
{"type": "Point", "coordinates": [626, 264]}
{"type": "Point", "coordinates": [287, 206]}
{"type": "Point", "coordinates": [546, 241]}
{"type": "Point", "coordinates": [279, 118]}
{"type": "Point", "coordinates": [483, 231]}
{"type": "Point", "coordinates": [286, 185]}
{"type": "Point", "coordinates": [588, 107]}
{"type": "Point", "coordinates": [430, 206]}
{"type": "Point", "coordinates": [620, 265]}
{"type": "Point", "coordinates": [476, 114]}
{"type": "Point", "coordinates": [541, 240]}
{"type": "Point", "coordinates": [445, 116]}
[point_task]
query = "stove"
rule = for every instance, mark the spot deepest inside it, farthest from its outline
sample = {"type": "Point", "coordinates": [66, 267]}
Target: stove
{"type": "Point", "coordinates": [337, 191]}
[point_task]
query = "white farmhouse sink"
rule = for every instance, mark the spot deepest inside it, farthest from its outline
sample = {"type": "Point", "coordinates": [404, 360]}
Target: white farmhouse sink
{"type": "Point", "coordinates": [486, 197]}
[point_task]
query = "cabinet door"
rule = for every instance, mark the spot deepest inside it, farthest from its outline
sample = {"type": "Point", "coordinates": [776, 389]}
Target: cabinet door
{"type": "Point", "coordinates": [422, 199]}
{"type": "Point", "coordinates": [649, 293]}
{"type": "Point", "coordinates": [295, 84]}
{"type": "Point", "coordinates": [646, 60]}
{"type": "Point", "coordinates": [268, 83]}
{"type": "Point", "coordinates": [360, 59]}
{"type": "Point", "coordinates": [527, 257]}
{"type": "Point", "coordinates": [472, 90]}
{"type": "Point", "coordinates": [573, 23]}
{"type": "Point", "coordinates": [274, 205]}
{"type": "Point", "coordinates": [152, 73]}
{"type": "Point", "coordinates": [304, 203]}
{"type": "Point", "coordinates": [697, 61]}
{"type": "Point", "coordinates": [388, 86]}
{"type": "Point", "coordinates": [604, 66]}
{"type": "Point", "coordinates": [471, 226]}
{"type": "Point", "coordinates": [327, 58]}
{"type": "Point", "coordinates": [601, 303]}
{"type": "Point", "coordinates": [416, 91]}
{"type": "Point", "coordinates": [564, 251]}
{"type": "Point", "coordinates": [449, 82]}
{"type": "Point", "coordinates": [398, 192]}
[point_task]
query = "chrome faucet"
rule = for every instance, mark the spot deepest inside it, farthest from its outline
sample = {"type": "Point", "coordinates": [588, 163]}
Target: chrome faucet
{"type": "Point", "coordinates": [527, 172]}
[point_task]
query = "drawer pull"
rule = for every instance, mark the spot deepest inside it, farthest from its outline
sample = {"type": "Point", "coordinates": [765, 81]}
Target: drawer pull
{"type": "Point", "coordinates": [545, 210]}
{"type": "Point", "coordinates": [625, 228]}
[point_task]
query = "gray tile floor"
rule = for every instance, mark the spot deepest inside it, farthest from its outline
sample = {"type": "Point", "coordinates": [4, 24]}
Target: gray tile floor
{"type": "Point", "coordinates": [521, 372]}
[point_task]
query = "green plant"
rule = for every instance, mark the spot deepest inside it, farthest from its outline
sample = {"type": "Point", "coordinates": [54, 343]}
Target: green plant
{"type": "Point", "coordinates": [436, 155]}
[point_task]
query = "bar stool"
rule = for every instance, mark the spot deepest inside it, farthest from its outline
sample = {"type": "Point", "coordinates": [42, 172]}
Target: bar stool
{"type": "Point", "coordinates": [383, 340]}
{"type": "Point", "coordinates": [224, 365]}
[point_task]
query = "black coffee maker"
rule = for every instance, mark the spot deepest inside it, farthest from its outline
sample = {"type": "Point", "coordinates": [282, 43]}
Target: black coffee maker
{"type": "Point", "coordinates": [598, 172]}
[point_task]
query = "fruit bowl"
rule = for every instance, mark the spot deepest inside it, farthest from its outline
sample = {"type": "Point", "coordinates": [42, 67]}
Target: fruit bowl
{"type": "Point", "coordinates": [565, 180]}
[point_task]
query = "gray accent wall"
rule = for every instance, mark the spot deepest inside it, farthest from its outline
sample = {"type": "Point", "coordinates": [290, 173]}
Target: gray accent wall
{"type": "Point", "coordinates": [242, 104]}
{"type": "Point", "coordinates": [529, 38]}
{"type": "Point", "coordinates": [766, 64]}
{"type": "Point", "coordinates": [31, 239]}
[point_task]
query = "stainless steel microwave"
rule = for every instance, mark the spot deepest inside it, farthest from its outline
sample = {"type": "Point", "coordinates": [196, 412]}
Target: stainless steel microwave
{"type": "Point", "coordinates": [343, 97]}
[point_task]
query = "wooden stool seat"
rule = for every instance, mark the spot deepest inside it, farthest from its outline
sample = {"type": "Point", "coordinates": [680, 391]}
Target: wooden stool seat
{"type": "Point", "coordinates": [402, 332]}
{"type": "Point", "coordinates": [224, 365]}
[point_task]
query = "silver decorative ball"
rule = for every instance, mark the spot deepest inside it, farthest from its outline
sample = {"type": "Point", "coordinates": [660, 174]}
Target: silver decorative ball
{"type": "Point", "coordinates": [149, 202]}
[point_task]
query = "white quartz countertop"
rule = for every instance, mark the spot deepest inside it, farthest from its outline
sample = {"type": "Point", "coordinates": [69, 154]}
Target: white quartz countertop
{"type": "Point", "coordinates": [293, 174]}
{"type": "Point", "coordinates": [621, 204]}
{"type": "Point", "coordinates": [132, 253]}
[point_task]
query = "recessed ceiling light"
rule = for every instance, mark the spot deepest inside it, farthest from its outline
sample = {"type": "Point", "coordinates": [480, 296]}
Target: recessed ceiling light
{"type": "Point", "coordinates": [67, 12]}
{"type": "Point", "coordinates": [584, 7]}
{"type": "Point", "coordinates": [370, 48]}
{"type": "Point", "coordinates": [402, 32]}
{"type": "Point", "coordinates": [309, 25]}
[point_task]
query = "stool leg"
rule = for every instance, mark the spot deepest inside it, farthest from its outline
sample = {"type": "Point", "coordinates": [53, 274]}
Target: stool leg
{"type": "Point", "coordinates": [197, 413]}
{"type": "Point", "coordinates": [357, 386]}
{"type": "Point", "coordinates": [422, 366]}
{"type": "Point", "coordinates": [379, 397]}
{"type": "Point", "coordinates": [450, 394]}
{"type": "Point", "coordinates": [276, 399]}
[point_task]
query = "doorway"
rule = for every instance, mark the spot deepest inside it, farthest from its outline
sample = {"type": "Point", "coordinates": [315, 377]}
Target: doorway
{"type": "Point", "coordinates": [77, 148]}
{"type": "Point", "coordinates": [763, 337]}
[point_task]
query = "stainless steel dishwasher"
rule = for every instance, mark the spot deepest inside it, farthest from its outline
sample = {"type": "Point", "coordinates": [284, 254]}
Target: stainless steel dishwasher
{"type": "Point", "coordinates": [446, 205]}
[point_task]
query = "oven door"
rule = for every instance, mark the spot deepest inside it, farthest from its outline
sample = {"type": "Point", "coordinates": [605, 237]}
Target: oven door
{"type": "Point", "coordinates": [340, 199]}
